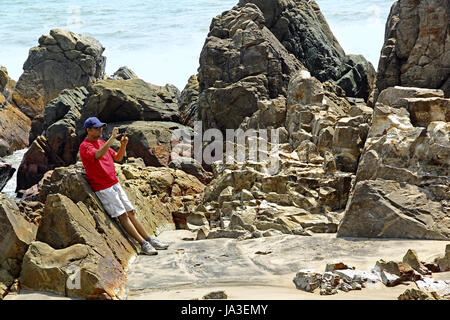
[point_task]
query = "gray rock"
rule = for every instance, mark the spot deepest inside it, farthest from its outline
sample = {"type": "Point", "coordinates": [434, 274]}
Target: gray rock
{"type": "Point", "coordinates": [241, 64]}
{"type": "Point", "coordinates": [303, 31]}
{"type": "Point", "coordinates": [403, 182]}
{"type": "Point", "coordinates": [415, 53]}
{"type": "Point", "coordinates": [307, 280]}
{"type": "Point", "coordinates": [63, 60]}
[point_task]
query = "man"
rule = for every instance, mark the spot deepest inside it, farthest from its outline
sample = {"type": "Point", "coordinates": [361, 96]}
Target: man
{"type": "Point", "coordinates": [98, 160]}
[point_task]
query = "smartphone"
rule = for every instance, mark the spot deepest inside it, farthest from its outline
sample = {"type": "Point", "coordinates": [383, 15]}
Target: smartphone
{"type": "Point", "coordinates": [121, 132]}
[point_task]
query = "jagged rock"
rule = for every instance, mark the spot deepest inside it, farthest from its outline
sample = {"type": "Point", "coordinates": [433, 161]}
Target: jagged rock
{"type": "Point", "coordinates": [415, 51]}
{"type": "Point", "coordinates": [307, 280]}
{"type": "Point", "coordinates": [444, 262]}
{"type": "Point", "coordinates": [6, 172]}
{"type": "Point", "coordinates": [124, 73]}
{"type": "Point", "coordinates": [191, 166]}
{"type": "Point", "coordinates": [74, 221]}
{"type": "Point", "coordinates": [14, 129]}
{"type": "Point", "coordinates": [74, 271]}
{"type": "Point", "coordinates": [215, 295]}
{"type": "Point", "coordinates": [14, 125]}
{"type": "Point", "coordinates": [412, 259]}
{"type": "Point", "coordinates": [402, 185]}
{"type": "Point", "coordinates": [197, 220]}
{"type": "Point", "coordinates": [415, 294]}
{"type": "Point", "coordinates": [336, 266]}
{"type": "Point", "coordinates": [130, 100]}
{"type": "Point", "coordinates": [58, 145]}
{"type": "Point", "coordinates": [241, 64]}
{"type": "Point", "coordinates": [393, 273]}
{"type": "Point", "coordinates": [7, 86]}
{"type": "Point", "coordinates": [303, 31]}
{"type": "Point", "coordinates": [62, 60]}
{"type": "Point", "coordinates": [395, 96]}
{"type": "Point", "coordinates": [16, 231]}
{"type": "Point", "coordinates": [189, 102]}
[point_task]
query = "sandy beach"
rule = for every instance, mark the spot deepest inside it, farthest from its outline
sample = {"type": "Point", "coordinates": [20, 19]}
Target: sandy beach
{"type": "Point", "coordinates": [260, 269]}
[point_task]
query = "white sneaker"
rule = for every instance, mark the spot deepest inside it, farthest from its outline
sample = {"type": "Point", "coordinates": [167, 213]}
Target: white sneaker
{"type": "Point", "coordinates": [147, 248]}
{"type": "Point", "coordinates": [158, 244]}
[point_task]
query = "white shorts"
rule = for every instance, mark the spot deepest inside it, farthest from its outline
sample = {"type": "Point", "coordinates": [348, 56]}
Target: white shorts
{"type": "Point", "coordinates": [114, 200]}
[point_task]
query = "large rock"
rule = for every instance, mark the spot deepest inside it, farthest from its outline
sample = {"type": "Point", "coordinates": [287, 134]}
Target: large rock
{"type": "Point", "coordinates": [241, 64]}
{"type": "Point", "coordinates": [402, 184]}
{"type": "Point", "coordinates": [150, 140]}
{"type": "Point", "coordinates": [303, 31]}
{"type": "Point", "coordinates": [76, 271]}
{"type": "Point", "coordinates": [14, 129]}
{"type": "Point", "coordinates": [416, 49]}
{"type": "Point", "coordinates": [6, 172]}
{"type": "Point", "coordinates": [16, 231]}
{"type": "Point", "coordinates": [76, 232]}
{"type": "Point", "coordinates": [130, 100]}
{"type": "Point", "coordinates": [189, 102]}
{"type": "Point", "coordinates": [62, 60]}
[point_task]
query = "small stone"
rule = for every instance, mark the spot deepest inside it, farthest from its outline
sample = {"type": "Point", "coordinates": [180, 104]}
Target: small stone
{"type": "Point", "coordinates": [215, 295]}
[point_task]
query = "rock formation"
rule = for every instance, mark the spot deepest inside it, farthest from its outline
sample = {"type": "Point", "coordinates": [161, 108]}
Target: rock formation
{"type": "Point", "coordinates": [402, 184]}
{"type": "Point", "coordinates": [303, 31]}
{"type": "Point", "coordinates": [6, 172]}
{"type": "Point", "coordinates": [17, 232]}
{"type": "Point", "coordinates": [416, 50]}
{"type": "Point", "coordinates": [14, 125]}
{"type": "Point", "coordinates": [77, 238]}
{"type": "Point", "coordinates": [317, 164]}
{"type": "Point", "coordinates": [189, 102]}
{"type": "Point", "coordinates": [62, 60]}
{"type": "Point", "coordinates": [241, 65]}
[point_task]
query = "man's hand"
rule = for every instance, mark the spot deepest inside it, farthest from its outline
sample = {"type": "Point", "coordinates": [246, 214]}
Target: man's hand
{"type": "Point", "coordinates": [124, 140]}
{"type": "Point", "coordinates": [114, 133]}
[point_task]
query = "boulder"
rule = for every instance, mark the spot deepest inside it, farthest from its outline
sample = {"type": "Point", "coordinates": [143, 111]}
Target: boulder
{"type": "Point", "coordinates": [303, 31]}
{"type": "Point", "coordinates": [62, 60]}
{"type": "Point", "coordinates": [416, 294]}
{"type": "Point", "coordinates": [153, 141]}
{"type": "Point", "coordinates": [189, 102]}
{"type": "Point", "coordinates": [412, 260]}
{"type": "Point", "coordinates": [6, 172]}
{"type": "Point", "coordinates": [241, 64]}
{"type": "Point", "coordinates": [130, 100]}
{"type": "Point", "coordinates": [7, 86]}
{"type": "Point", "coordinates": [402, 184]}
{"type": "Point", "coordinates": [14, 129]}
{"type": "Point", "coordinates": [444, 262]}
{"type": "Point", "coordinates": [307, 280]}
{"type": "Point", "coordinates": [75, 232]}
{"type": "Point", "coordinates": [415, 52]}
{"type": "Point", "coordinates": [74, 271]}
{"type": "Point", "coordinates": [17, 232]}
{"type": "Point", "coordinates": [123, 73]}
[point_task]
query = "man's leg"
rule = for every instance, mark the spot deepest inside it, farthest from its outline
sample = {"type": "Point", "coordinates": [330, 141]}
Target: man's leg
{"type": "Point", "coordinates": [137, 224]}
{"type": "Point", "coordinates": [127, 224]}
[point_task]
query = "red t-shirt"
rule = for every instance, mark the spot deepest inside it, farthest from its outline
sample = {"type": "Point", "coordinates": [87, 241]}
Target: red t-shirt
{"type": "Point", "coordinates": [100, 173]}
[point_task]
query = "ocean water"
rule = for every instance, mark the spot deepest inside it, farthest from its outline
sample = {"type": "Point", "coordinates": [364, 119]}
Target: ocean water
{"type": "Point", "coordinates": [161, 40]}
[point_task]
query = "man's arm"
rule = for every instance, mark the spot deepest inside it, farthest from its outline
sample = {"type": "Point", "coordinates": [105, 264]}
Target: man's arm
{"type": "Point", "coordinates": [102, 151]}
{"type": "Point", "coordinates": [123, 145]}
